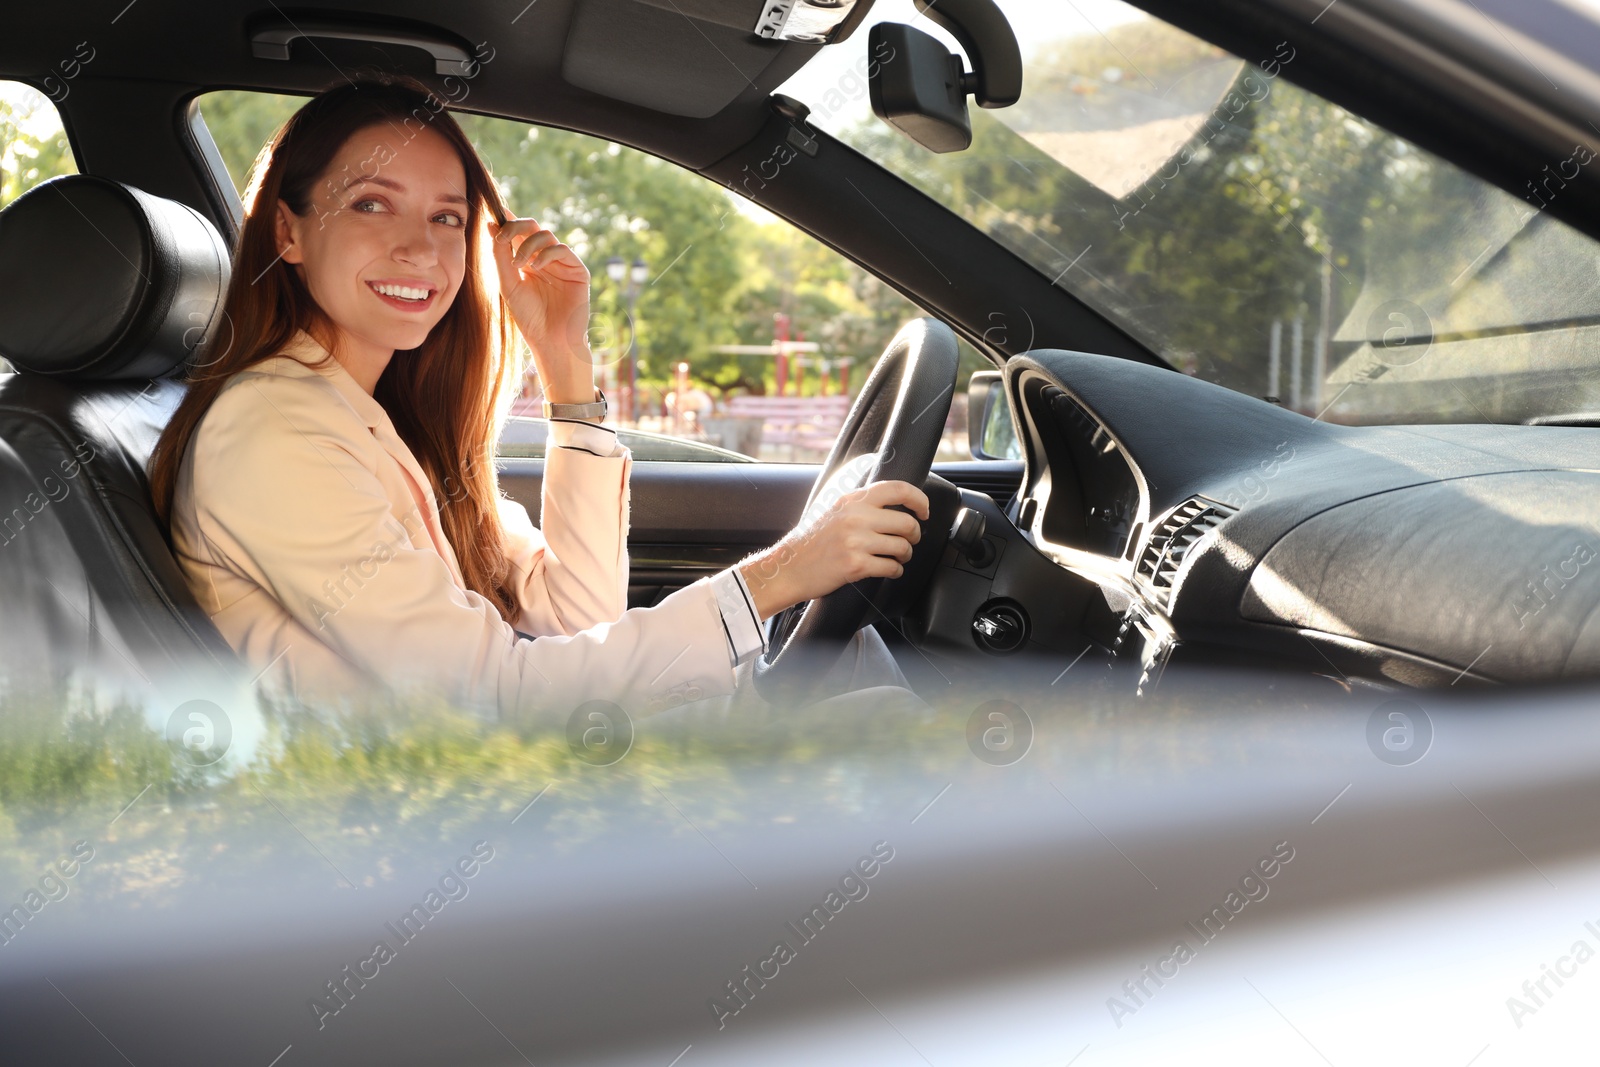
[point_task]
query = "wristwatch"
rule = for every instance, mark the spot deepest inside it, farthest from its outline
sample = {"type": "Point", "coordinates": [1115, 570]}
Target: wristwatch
{"type": "Point", "coordinates": [595, 410]}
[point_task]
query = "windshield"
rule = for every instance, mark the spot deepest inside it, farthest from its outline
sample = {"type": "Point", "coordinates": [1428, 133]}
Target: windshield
{"type": "Point", "coordinates": [1252, 233]}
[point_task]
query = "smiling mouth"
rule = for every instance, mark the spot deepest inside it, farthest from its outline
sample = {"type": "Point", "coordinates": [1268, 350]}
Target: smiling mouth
{"type": "Point", "coordinates": [405, 297]}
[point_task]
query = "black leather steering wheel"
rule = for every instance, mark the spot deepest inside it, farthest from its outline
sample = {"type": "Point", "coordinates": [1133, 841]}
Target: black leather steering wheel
{"type": "Point", "coordinates": [891, 434]}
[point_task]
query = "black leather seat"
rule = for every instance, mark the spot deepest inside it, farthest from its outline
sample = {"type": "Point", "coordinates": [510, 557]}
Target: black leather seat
{"type": "Point", "coordinates": [107, 293]}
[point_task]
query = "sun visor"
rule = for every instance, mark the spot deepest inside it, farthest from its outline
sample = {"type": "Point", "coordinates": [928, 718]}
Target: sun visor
{"type": "Point", "coordinates": [694, 57]}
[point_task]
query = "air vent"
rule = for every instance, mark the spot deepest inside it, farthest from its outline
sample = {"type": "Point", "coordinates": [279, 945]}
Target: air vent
{"type": "Point", "coordinates": [1171, 540]}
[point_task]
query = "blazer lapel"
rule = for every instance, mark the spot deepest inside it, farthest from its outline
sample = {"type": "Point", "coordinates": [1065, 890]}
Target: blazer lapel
{"type": "Point", "coordinates": [303, 349]}
{"type": "Point", "coordinates": [421, 489]}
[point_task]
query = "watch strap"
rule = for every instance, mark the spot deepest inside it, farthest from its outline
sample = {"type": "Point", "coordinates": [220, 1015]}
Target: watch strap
{"type": "Point", "coordinates": [596, 409]}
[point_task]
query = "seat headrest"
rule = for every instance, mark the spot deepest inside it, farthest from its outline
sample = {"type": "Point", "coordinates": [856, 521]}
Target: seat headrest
{"type": "Point", "coordinates": [105, 281]}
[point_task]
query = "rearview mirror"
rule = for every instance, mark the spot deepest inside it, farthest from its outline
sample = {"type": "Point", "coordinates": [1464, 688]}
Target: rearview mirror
{"type": "Point", "coordinates": [919, 90]}
{"type": "Point", "coordinates": [991, 433]}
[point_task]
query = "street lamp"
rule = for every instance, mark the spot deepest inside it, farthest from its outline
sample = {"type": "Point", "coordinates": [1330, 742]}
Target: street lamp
{"type": "Point", "coordinates": [617, 270]}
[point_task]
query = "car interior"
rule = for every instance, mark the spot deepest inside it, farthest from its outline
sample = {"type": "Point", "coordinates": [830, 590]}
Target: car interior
{"type": "Point", "coordinates": [1149, 522]}
{"type": "Point", "coordinates": [1115, 531]}
{"type": "Point", "coordinates": [170, 199]}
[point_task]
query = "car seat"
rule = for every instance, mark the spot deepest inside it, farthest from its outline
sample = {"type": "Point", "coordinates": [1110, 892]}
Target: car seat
{"type": "Point", "coordinates": [108, 293]}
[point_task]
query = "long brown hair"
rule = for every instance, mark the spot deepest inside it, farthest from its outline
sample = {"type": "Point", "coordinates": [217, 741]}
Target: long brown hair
{"type": "Point", "coordinates": [445, 397]}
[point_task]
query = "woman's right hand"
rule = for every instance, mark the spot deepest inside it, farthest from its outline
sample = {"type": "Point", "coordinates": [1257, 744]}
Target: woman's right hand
{"type": "Point", "coordinates": [857, 537]}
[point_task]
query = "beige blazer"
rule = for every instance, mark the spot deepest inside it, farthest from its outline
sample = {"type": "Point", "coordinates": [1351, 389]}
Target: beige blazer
{"type": "Point", "coordinates": [310, 535]}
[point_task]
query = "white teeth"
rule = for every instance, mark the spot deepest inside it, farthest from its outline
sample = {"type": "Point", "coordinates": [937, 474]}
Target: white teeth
{"type": "Point", "coordinates": [403, 292]}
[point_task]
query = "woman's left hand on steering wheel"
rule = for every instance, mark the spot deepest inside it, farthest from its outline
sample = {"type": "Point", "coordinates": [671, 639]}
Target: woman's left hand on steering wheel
{"type": "Point", "coordinates": [546, 287]}
{"type": "Point", "coordinates": [857, 537]}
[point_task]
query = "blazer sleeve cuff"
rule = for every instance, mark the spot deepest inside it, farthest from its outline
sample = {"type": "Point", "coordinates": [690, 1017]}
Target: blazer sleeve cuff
{"type": "Point", "coordinates": [585, 436]}
{"type": "Point", "coordinates": [746, 636]}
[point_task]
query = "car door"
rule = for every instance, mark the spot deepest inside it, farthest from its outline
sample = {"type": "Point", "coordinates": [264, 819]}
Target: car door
{"type": "Point", "coordinates": [690, 520]}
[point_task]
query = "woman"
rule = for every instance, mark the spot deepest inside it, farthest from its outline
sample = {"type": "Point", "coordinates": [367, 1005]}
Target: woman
{"type": "Point", "coordinates": [329, 478]}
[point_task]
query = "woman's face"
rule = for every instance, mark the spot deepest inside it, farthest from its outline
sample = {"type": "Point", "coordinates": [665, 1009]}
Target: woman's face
{"type": "Point", "coordinates": [384, 245]}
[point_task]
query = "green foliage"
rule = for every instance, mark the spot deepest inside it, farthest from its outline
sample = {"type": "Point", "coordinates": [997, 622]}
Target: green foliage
{"type": "Point", "coordinates": [1198, 265]}
{"type": "Point", "coordinates": [33, 146]}
{"type": "Point", "coordinates": [241, 123]}
{"type": "Point", "coordinates": [1280, 206]}
{"type": "Point", "coordinates": [357, 793]}
{"type": "Point", "coordinates": [367, 788]}
{"type": "Point", "coordinates": [607, 201]}
{"type": "Point", "coordinates": [65, 749]}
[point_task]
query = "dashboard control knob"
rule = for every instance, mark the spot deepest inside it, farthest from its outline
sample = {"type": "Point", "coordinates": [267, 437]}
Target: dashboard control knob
{"type": "Point", "coordinates": [1025, 513]}
{"type": "Point", "coordinates": [1000, 627]}
{"type": "Point", "coordinates": [966, 533]}
{"type": "Point", "coordinates": [968, 529]}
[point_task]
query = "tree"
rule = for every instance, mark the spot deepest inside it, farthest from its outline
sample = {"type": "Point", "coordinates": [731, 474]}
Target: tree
{"type": "Point", "coordinates": [241, 123]}
{"type": "Point", "coordinates": [1275, 189]}
{"type": "Point", "coordinates": [33, 146]}
{"type": "Point", "coordinates": [606, 200]}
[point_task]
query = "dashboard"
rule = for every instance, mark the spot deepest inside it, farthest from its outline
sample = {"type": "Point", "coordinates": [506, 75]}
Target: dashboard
{"type": "Point", "coordinates": [1093, 501]}
{"type": "Point", "coordinates": [1161, 514]}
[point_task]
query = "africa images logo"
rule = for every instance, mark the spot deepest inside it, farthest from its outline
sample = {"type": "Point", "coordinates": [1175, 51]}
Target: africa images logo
{"type": "Point", "coordinates": [852, 887]}
{"type": "Point", "coordinates": [200, 732]}
{"type": "Point", "coordinates": [452, 886]}
{"type": "Point", "coordinates": [1252, 889]}
{"type": "Point", "coordinates": [1399, 733]}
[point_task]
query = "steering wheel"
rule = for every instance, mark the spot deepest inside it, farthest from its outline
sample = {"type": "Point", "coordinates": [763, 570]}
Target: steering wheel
{"type": "Point", "coordinates": [891, 434]}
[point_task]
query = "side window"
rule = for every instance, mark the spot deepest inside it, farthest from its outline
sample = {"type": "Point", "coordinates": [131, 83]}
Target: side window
{"type": "Point", "coordinates": [241, 123]}
{"type": "Point", "coordinates": [33, 145]}
{"type": "Point", "coordinates": [722, 333]}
